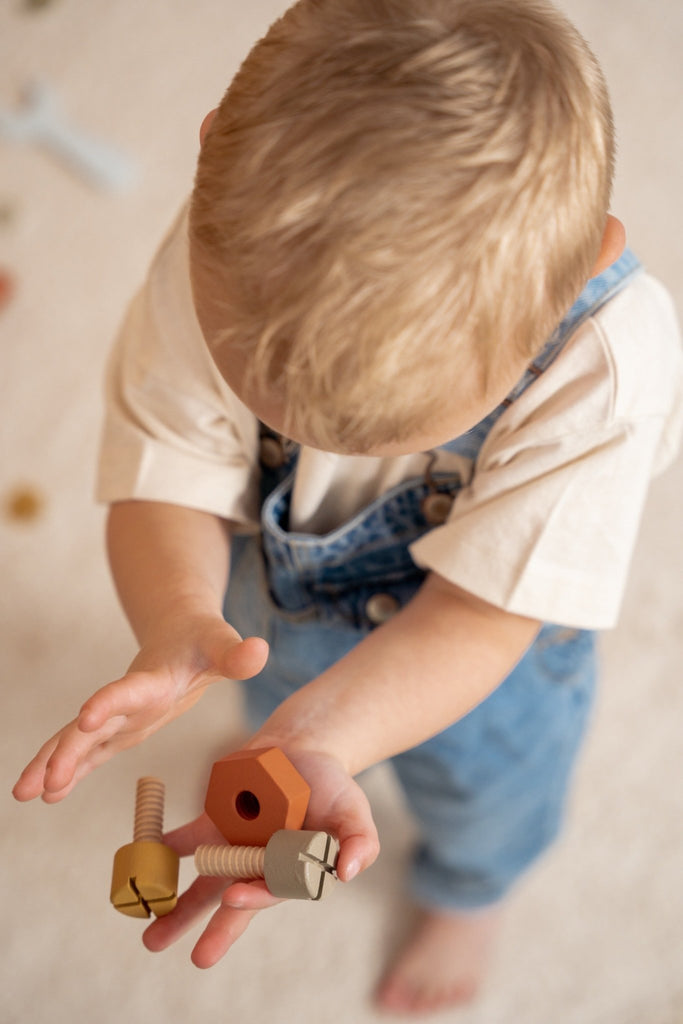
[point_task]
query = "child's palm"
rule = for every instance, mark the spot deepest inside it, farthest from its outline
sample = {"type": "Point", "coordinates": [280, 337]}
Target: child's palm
{"type": "Point", "coordinates": [337, 805]}
{"type": "Point", "coordinates": [166, 678]}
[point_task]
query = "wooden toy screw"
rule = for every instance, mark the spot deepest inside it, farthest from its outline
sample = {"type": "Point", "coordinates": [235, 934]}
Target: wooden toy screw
{"type": "Point", "coordinates": [145, 873]}
{"type": "Point", "coordinates": [295, 864]}
{"type": "Point", "coordinates": [149, 811]}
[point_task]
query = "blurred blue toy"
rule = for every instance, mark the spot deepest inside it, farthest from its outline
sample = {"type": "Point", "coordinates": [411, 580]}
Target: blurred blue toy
{"type": "Point", "coordinates": [41, 121]}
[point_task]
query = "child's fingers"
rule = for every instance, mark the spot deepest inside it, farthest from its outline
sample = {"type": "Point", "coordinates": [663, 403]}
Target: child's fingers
{"type": "Point", "coordinates": [203, 894]}
{"type": "Point", "coordinates": [226, 926]}
{"type": "Point", "coordinates": [29, 785]}
{"type": "Point", "coordinates": [33, 781]}
{"type": "Point", "coordinates": [74, 748]}
{"type": "Point", "coordinates": [341, 807]}
{"type": "Point", "coordinates": [356, 854]}
{"type": "Point", "coordinates": [54, 796]}
{"type": "Point", "coordinates": [54, 766]}
{"type": "Point", "coordinates": [152, 694]}
{"type": "Point", "coordinates": [249, 896]}
{"type": "Point", "coordinates": [185, 839]}
{"type": "Point", "coordinates": [133, 693]}
{"type": "Point", "coordinates": [359, 842]}
{"type": "Point", "coordinates": [96, 756]}
{"type": "Point", "coordinates": [223, 930]}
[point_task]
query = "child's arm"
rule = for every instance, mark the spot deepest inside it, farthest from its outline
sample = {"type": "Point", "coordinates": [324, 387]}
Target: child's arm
{"type": "Point", "coordinates": [424, 669]}
{"type": "Point", "coordinates": [170, 565]}
{"type": "Point", "coordinates": [409, 679]}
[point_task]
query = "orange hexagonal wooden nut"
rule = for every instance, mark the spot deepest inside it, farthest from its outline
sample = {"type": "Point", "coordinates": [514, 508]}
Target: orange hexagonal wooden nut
{"type": "Point", "coordinates": [253, 793]}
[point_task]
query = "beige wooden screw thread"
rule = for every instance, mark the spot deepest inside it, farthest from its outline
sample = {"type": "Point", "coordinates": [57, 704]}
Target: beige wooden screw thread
{"type": "Point", "coordinates": [230, 861]}
{"type": "Point", "coordinates": [149, 811]}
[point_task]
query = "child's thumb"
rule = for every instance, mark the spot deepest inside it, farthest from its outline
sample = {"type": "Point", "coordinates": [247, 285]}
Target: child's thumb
{"type": "Point", "coordinates": [242, 659]}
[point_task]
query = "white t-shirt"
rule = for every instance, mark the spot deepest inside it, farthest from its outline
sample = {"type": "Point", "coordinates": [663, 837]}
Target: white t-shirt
{"type": "Point", "coordinates": [546, 520]}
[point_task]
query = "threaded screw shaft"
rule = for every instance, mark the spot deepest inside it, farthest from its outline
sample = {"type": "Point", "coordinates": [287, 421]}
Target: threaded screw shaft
{"type": "Point", "coordinates": [149, 810]}
{"type": "Point", "coordinates": [230, 861]}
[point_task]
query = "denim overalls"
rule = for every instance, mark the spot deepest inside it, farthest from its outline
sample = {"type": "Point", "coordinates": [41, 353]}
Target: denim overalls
{"type": "Point", "coordinates": [488, 792]}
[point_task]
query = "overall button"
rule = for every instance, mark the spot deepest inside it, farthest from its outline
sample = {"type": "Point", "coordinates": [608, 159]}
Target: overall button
{"type": "Point", "coordinates": [436, 507]}
{"type": "Point", "coordinates": [381, 607]}
{"type": "Point", "coordinates": [271, 452]}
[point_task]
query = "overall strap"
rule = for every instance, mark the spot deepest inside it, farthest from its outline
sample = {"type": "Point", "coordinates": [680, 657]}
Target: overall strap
{"type": "Point", "coordinates": [596, 294]}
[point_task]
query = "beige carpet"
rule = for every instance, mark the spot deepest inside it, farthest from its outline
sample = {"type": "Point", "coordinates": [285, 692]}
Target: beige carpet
{"type": "Point", "coordinates": [595, 936]}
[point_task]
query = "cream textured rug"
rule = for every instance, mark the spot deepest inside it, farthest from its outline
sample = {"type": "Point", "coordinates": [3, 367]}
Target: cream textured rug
{"type": "Point", "coordinates": [594, 936]}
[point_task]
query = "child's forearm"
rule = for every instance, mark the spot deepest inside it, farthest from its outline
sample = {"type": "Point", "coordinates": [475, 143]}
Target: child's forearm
{"type": "Point", "coordinates": [408, 680]}
{"type": "Point", "coordinates": [170, 565]}
{"type": "Point", "coordinates": [166, 561]}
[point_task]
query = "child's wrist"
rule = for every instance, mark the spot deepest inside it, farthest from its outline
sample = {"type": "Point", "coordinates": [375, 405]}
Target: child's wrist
{"type": "Point", "coordinates": [298, 744]}
{"type": "Point", "coordinates": [179, 614]}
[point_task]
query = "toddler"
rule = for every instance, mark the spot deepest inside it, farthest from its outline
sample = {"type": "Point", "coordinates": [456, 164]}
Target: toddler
{"type": "Point", "coordinates": [394, 375]}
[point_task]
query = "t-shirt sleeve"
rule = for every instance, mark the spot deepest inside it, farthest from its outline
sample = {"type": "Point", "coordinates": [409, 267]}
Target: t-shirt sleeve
{"type": "Point", "coordinates": [547, 524]}
{"type": "Point", "coordinates": [173, 431]}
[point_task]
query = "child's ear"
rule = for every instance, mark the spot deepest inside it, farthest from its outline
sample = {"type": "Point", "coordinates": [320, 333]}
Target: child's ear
{"type": "Point", "coordinates": [613, 245]}
{"type": "Point", "coordinates": [205, 125]}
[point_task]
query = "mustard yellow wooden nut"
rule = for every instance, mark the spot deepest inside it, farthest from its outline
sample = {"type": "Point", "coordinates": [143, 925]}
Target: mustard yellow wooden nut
{"type": "Point", "coordinates": [145, 873]}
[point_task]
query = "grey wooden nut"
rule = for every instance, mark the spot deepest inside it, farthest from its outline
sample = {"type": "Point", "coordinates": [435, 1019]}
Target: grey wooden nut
{"type": "Point", "coordinates": [296, 865]}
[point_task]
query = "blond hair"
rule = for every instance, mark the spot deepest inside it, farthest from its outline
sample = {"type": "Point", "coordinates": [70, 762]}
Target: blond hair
{"type": "Point", "coordinates": [393, 191]}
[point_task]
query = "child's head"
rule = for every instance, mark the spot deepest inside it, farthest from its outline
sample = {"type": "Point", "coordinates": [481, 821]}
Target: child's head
{"type": "Point", "coordinates": [395, 204]}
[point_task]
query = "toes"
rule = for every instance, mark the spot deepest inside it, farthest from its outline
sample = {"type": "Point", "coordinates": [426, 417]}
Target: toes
{"type": "Point", "coordinates": [396, 995]}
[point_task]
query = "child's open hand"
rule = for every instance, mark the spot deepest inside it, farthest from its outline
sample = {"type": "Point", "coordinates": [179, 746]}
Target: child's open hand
{"type": "Point", "coordinates": [166, 678]}
{"type": "Point", "coordinates": [338, 805]}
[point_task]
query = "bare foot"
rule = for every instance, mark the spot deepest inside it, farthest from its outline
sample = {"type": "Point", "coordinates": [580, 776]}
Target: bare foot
{"type": "Point", "coordinates": [443, 964]}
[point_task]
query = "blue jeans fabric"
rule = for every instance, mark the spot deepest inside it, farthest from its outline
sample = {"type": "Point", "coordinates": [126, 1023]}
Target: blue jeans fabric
{"type": "Point", "coordinates": [488, 792]}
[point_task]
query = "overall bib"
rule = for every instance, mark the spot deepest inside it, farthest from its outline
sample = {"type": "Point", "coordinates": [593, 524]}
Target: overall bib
{"type": "Point", "coordinates": [488, 792]}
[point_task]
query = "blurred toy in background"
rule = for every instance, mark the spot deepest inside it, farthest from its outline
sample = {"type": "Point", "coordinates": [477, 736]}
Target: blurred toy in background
{"type": "Point", "coordinates": [24, 504]}
{"type": "Point", "coordinates": [41, 121]}
{"type": "Point", "coordinates": [6, 288]}
{"type": "Point", "coordinates": [8, 213]}
{"type": "Point", "coordinates": [37, 5]}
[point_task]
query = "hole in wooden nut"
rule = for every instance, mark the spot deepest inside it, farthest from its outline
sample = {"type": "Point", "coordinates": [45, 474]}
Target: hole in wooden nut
{"type": "Point", "coordinates": [247, 805]}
